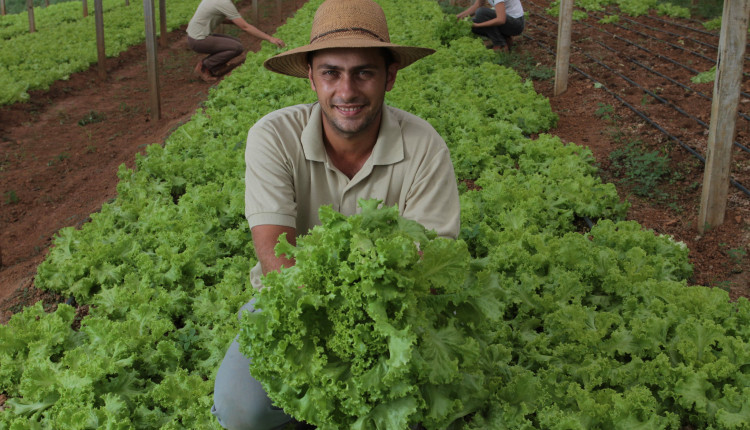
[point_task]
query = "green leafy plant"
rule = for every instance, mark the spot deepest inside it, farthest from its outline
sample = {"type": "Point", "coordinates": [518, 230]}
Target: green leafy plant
{"type": "Point", "coordinates": [705, 77]}
{"type": "Point", "coordinates": [673, 11]}
{"type": "Point", "coordinates": [640, 169]}
{"type": "Point", "coordinates": [58, 159]}
{"type": "Point", "coordinates": [605, 111]}
{"type": "Point", "coordinates": [526, 65]}
{"type": "Point", "coordinates": [379, 325]}
{"type": "Point", "coordinates": [91, 118]}
{"type": "Point", "coordinates": [713, 24]}
{"type": "Point", "coordinates": [11, 197]}
{"type": "Point", "coordinates": [610, 19]}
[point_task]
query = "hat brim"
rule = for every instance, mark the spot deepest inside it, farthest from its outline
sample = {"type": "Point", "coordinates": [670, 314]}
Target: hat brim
{"type": "Point", "coordinates": [294, 61]}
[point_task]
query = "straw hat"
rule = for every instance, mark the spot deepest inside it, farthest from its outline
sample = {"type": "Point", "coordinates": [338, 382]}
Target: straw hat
{"type": "Point", "coordinates": [345, 24]}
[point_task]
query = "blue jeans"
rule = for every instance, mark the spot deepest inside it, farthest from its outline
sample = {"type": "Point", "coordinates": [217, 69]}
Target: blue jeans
{"type": "Point", "coordinates": [498, 33]}
{"type": "Point", "coordinates": [240, 402]}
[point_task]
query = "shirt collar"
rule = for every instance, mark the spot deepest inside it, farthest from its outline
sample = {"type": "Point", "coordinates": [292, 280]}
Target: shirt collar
{"type": "Point", "coordinates": [388, 149]}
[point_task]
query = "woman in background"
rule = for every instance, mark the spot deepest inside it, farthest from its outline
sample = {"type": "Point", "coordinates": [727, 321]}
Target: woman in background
{"type": "Point", "coordinates": [499, 24]}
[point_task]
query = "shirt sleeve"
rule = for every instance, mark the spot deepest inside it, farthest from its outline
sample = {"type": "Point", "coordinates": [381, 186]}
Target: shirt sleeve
{"type": "Point", "coordinates": [228, 8]}
{"type": "Point", "coordinates": [433, 198]}
{"type": "Point", "coordinates": [269, 183]}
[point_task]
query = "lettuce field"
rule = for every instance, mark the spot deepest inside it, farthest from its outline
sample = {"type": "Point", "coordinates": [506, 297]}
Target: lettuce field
{"type": "Point", "coordinates": [554, 309]}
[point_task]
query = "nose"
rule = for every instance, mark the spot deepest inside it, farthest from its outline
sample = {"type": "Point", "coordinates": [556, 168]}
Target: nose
{"type": "Point", "coordinates": [347, 88]}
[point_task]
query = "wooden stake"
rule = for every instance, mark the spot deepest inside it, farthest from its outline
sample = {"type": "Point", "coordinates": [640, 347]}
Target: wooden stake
{"type": "Point", "coordinates": [30, 9]}
{"type": "Point", "coordinates": [562, 61]}
{"type": "Point", "coordinates": [153, 78]}
{"type": "Point", "coordinates": [255, 13]}
{"type": "Point", "coordinates": [85, 5]}
{"type": "Point", "coordinates": [723, 113]}
{"type": "Point", "coordinates": [162, 23]}
{"type": "Point", "coordinates": [101, 54]}
{"type": "Point", "coordinates": [2, 7]}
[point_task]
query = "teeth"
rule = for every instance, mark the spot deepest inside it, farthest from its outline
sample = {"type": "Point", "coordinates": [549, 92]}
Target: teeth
{"type": "Point", "coordinates": [348, 109]}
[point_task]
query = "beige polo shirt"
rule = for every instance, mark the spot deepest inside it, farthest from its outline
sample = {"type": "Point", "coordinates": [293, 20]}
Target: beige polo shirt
{"type": "Point", "coordinates": [208, 16]}
{"type": "Point", "coordinates": [289, 175]}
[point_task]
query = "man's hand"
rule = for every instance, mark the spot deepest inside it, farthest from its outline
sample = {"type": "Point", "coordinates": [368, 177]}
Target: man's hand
{"type": "Point", "coordinates": [265, 238]}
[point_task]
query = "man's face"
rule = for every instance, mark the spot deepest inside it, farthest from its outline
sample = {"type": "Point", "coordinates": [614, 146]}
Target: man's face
{"type": "Point", "coordinates": [351, 86]}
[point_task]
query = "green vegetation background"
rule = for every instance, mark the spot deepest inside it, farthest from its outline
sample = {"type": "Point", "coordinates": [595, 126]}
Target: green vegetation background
{"type": "Point", "coordinates": [700, 9]}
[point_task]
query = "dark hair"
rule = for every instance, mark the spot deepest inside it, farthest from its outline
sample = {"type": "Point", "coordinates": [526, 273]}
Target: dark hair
{"type": "Point", "coordinates": [387, 56]}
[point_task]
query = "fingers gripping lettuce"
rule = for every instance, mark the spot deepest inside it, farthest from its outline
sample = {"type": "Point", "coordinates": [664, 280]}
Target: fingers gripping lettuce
{"type": "Point", "coordinates": [379, 325]}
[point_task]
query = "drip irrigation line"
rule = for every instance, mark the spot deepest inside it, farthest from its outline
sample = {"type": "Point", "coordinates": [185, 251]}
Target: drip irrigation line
{"type": "Point", "coordinates": [659, 98]}
{"type": "Point", "coordinates": [645, 90]}
{"type": "Point", "coordinates": [624, 102]}
{"type": "Point", "coordinates": [678, 35]}
{"type": "Point", "coordinates": [687, 27]}
{"type": "Point", "coordinates": [655, 54]}
{"type": "Point", "coordinates": [662, 75]}
{"type": "Point", "coordinates": [638, 112]}
{"type": "Point", "coordinates": [673, 45]}
{"type": "Point", "coordinates": [656, 72]}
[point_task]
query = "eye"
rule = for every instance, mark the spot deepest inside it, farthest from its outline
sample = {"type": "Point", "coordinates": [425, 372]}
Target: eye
{"type": "Point", "coordinates": [330, 73]}
{"type": "Point", "coordinates": [366, 74]}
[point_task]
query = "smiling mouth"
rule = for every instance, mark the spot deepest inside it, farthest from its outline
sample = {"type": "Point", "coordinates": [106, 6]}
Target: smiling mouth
{"type": "Point", "coordinates": [349, 110]}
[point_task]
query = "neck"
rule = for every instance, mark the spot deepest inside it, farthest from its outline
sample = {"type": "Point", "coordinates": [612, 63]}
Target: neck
{"type": "Point", "coordinates": [349, 152]}
{"type": "Point", "coordinates": [347, 155]}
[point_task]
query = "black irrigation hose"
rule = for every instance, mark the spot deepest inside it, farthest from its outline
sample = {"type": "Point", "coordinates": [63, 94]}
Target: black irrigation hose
{"type": "Point", "coordinates": [657, 55]}
{"type": "Point", "coordinates": [673, 45]}
{"type": "Point", "coordinates": [699, 42]}
{"type": "Point", "coordinates": [687, 27]}
{"type": "Point", "coordinates": [656, 72]}
{"type": "Point", "coordinates": [645, 90]}
{"type": "Point", "coordinates": [638, 112]}
{"type": "Point", "coordinates": [662, 75]}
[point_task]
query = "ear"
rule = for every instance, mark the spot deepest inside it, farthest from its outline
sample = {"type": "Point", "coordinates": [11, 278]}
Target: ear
{"type": "Point", "coordinates": [391, 76]}
{"type": "Point", "coordinates": [310, 77]}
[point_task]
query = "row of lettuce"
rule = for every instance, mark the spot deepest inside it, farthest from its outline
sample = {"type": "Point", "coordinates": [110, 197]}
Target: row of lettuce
{"type": "Point", "coordinates": [598, 329]}
{"type": "Point", "coordinates": [65, 41]}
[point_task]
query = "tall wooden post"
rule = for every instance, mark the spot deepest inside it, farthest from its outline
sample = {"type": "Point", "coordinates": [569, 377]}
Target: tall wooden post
{"type": "Point", "coordinates": [153, 77]}
{"type": "Point", "coordinates": [2, 7]}
{"type": "Point", "coordinates": [723, 113]}
{"type": "Point", "coordinates": [162, 23]}
{"type": "Point", "coordinates": [100, 52]}
{"type": "Point", "coordinates": [85, 5]}
{"type": "Point", "coordinates": [30, 10]}
{"type": "Point", "coordinates": [562, 61]}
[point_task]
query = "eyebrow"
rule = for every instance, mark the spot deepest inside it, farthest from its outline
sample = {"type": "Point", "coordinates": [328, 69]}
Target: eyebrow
{"type": "Point", "coordinates": [328, 66]}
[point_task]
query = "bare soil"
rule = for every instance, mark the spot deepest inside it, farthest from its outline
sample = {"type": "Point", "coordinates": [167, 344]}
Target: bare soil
{"type": "Point", "coordinates": [60, 151]}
